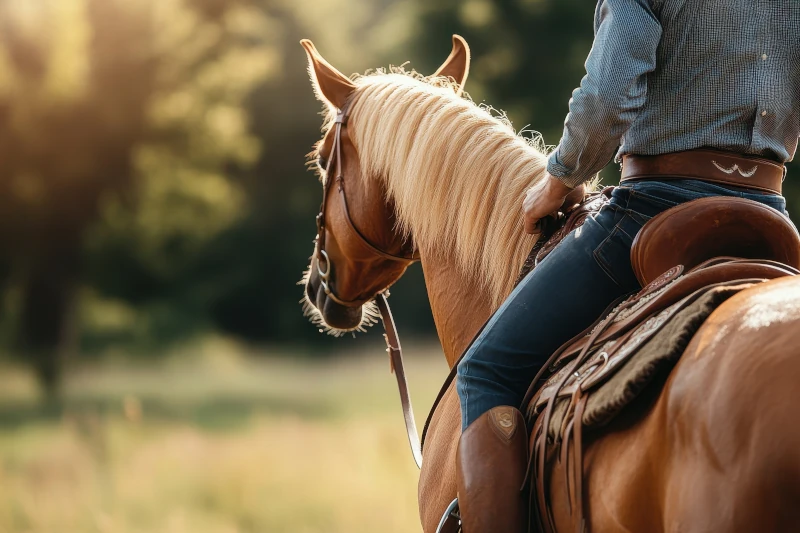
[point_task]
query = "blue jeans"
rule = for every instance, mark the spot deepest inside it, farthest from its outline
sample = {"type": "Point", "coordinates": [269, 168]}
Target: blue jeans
{"type": "Point", "coordinates": [567, 291]}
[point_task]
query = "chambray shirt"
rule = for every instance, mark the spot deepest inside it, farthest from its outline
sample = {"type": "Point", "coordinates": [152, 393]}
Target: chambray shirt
{"type": "Point", "coordinates": [671, 75]}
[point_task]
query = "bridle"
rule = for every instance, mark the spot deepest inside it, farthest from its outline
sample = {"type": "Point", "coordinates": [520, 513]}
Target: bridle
{"type": "Point", "coordinates": [320, 255]}
{"type": "Point", "coordinates": [335, 163]}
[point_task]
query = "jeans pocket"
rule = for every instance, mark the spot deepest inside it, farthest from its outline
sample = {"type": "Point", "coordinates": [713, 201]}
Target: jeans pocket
{"type": "Point", "coordinates": [613, 254]}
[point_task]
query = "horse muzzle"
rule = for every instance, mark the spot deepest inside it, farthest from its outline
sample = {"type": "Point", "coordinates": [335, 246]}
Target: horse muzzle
{"type": "Point", "coordinates": [334, 315]}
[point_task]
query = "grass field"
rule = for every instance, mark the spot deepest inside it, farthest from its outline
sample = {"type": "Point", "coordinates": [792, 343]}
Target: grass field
{"type": "Point", "coordinates": [213, 440]}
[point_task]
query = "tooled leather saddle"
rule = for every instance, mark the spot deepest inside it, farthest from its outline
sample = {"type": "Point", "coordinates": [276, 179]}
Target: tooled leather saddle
{"type": "Point", "coordinates": [734, 243]}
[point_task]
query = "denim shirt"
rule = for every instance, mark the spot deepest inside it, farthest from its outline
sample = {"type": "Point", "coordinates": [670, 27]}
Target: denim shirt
{"type": "Point", "coordinates": [670, 75]}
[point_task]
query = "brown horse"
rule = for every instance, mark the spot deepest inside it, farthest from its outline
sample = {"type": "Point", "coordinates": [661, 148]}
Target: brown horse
{"type": "Point", "coordinates": [423, 172]}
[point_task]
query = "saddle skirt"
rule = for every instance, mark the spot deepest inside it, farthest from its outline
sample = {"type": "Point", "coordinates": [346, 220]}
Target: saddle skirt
{"type": "Point", "coordinates": [593, 377]}
{"type": "Point", "coordinates": [636, 320]}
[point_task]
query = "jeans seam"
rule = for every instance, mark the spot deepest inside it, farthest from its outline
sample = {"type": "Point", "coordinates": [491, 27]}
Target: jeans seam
{"type": "Point", "coordinates": [604, 266]}
{"type": "Point", "coordinates": [631, 237]}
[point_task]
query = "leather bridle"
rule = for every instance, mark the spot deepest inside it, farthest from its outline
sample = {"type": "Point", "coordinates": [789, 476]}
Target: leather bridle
{"type": "Point", "coordinates": [335, 163]}
{"type": "Point", "coordinates": [320, 255]}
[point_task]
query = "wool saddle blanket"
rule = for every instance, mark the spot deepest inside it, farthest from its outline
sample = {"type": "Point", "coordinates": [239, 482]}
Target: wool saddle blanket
{"type": "Point", "coordinates": [645, 356]}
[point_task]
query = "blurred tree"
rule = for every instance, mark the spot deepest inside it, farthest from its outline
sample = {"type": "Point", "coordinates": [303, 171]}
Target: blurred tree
{"type": "Point", "coordinates": [127, 110]}
{"type": "Point", "coordinates": [528, 55]}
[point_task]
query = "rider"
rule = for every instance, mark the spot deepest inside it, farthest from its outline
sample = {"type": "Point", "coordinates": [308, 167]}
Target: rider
{"type": "Point", "coordinates": [662, 77]}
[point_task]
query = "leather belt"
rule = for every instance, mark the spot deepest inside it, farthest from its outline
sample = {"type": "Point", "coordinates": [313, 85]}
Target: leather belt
{"type": "Point", "coordinates": [715, 166]}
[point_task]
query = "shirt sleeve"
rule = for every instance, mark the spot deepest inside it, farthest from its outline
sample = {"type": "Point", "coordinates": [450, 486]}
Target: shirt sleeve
{"type": "Point", "coordinates": [601, 110]}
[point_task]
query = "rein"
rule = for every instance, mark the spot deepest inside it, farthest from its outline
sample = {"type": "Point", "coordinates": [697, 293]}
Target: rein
{"type": "Point", "coordinates": [321, 256]}
{"type": "Point", "coordinates": [396, 360]}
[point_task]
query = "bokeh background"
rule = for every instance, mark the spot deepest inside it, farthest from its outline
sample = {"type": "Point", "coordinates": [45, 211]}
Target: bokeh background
{"type": "Point", "coordinates": [156, 372]}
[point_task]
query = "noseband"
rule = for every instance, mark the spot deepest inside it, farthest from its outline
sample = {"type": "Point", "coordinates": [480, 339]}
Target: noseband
{"type": "Point", "coordinates": [320, 255]}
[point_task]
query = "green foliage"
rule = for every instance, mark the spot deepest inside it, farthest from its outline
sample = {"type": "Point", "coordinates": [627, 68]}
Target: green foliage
{"type": "Point", "coordinates": [152, 152]}
{"type": "Point", "coordinates": [147, 244]}
{"type": "Point", "coordinates": [127, 130]}
{"type": "Point", "coordinates": [527, 54]}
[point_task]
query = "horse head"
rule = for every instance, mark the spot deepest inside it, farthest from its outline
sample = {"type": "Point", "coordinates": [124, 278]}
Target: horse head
{"type": "Point", "coordinates": [358, 252]}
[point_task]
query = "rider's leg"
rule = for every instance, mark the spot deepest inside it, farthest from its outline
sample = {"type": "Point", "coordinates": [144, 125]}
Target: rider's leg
{"type": "Point", "coordinates": [490, 470]}
{"type": "Point", "coordinates": [558, 299]}
{"type": "Point", "coordinates": [562, 296]}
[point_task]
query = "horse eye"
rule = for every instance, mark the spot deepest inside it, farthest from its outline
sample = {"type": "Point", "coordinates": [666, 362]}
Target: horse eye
{"type": "Point", "coordinates": [322, 162]}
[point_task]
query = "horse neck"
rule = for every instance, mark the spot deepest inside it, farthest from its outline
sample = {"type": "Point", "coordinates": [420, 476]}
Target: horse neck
{"type": "Point", "coordinates": [459, 307]}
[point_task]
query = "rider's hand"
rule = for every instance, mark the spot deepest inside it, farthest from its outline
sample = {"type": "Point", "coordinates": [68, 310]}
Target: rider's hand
{"type": "Point", "coordinates": [541, 200]}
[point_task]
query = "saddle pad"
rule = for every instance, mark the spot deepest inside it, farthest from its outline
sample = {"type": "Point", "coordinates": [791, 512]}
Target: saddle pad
{"type": "Point", "coordinates": [654, 358]}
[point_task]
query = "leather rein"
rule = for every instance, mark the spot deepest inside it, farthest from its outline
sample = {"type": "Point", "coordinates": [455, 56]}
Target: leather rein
{"type": "Point", "coordinates": [321, 257]}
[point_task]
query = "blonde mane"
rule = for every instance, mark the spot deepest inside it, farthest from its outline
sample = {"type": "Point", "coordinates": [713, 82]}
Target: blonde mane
{"type": "Point", "coordinates": [456, 173]}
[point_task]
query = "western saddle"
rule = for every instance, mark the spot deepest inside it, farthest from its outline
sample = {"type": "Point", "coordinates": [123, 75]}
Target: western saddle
{"type": "Point", "coordinates": [734, 243]}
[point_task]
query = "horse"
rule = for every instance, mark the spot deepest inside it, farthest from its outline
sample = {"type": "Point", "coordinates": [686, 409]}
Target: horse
{"type": "Point", "coordinates": [423, 173]}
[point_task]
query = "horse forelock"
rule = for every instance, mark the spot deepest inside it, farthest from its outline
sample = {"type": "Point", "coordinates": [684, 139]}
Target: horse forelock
{"type": "Point", "coordinates": [456, 171]}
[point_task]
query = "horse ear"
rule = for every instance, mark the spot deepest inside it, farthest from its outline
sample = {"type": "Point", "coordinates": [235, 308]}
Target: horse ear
{"type": "Point", "coordinates": [330, 85]}
{"type": "Point", "coordinates": [457, 65]}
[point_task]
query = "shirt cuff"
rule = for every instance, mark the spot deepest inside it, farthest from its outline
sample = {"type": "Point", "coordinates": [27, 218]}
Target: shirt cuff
{"type": "Point", "coordinates": [563, 174]}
